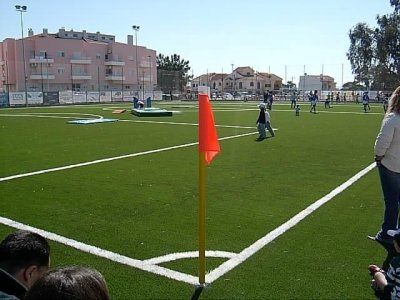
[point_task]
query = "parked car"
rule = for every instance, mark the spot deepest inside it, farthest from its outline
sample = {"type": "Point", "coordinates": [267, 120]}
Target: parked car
{"type": "Point", "coordinates": [227, 96]}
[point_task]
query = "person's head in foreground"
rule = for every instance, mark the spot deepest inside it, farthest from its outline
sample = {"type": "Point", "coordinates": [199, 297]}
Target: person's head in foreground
{"type": "Point", "coordinates": [25, 256]}
{"type": "Point", "coordinates": [70, 283]}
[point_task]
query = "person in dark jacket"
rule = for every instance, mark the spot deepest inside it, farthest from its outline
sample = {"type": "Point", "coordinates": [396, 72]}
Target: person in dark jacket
{"type": "Point", "coordinates": [24, 258]}
{"type": "Point", "coordinates": [263, 123]}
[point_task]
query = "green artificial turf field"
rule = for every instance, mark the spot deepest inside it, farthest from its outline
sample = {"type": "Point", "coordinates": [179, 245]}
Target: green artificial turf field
{"type": "Point", "coordinates": [131, 187]}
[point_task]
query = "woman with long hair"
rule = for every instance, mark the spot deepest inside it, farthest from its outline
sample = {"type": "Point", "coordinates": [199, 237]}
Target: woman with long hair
{"type": "Point", "coordinates": [387, 157]}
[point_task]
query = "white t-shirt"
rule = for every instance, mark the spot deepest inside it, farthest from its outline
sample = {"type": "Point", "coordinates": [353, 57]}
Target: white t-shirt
{"type": "Point", "coordinates": [387, 143]}
{"type": "Point", "coordinates": [267, 117]}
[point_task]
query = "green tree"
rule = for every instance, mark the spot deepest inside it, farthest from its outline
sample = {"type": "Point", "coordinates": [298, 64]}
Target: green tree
{"type": "Point", "coordinates": [172, 73]}
{"type": "Point", "coordinates": [374, 53]}
{"type": "Point", "coordinates": [361, 52]}
{"type": "Point", "coordinates": [396, 4]}
{"type": "Point", "coordinates": [387, 52]}
{"type": "Point", "coordinates": [352, 86]}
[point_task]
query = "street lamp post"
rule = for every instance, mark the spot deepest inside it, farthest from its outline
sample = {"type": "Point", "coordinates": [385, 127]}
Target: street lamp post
{"type": "Point", "coordinates": [234, 83]}
{"type": "Point", "coordinates": [151, 83]}
{"type": "Point", "coordinates": [21, 9]}
{"type": "Point", "coordinates": [136, 29]}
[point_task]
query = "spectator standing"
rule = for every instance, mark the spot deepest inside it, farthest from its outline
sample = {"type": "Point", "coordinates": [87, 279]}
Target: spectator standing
{"type": "Point", "coordinates": [327, 103]}
{"type": "Point", "coordinates": [24, 258]}
{"type": "Point", "coordinates": [387, 157]}
{"type": "Point", "coordinates": [337, 97]}
{"type": "Point", "coordinates": [270, 100]}
{"type": "Point", "coordinates": [293, 100]}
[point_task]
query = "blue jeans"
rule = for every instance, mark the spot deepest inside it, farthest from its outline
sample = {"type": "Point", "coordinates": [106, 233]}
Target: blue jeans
{"type": "Point", "coordinates": [261, 127]}
{"type": "Point", "coordinates": [390, 182]}
{"type": "Point", "coordinates": [261, 130]}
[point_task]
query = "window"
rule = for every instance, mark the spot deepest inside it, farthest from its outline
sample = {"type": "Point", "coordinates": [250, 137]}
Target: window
{"type": "Point", "coordinates": [60, 54]}
{"type": "Point", "coordinates": [98, 55]}
{"type": "Point", "coordinates": [60, 71]}
{"type": "Point", "coordinates": [75, 35]}
{"type": "Point", "coordinates": [103, 37]}
{"type": "Point", "coordinates": [128, 87]}
{"type": "Point", "coordinates": [252, 83]}
{"type": "Point", "coordinates": [43, 53]}
{"type": "Point", "coordinates": [76, 87]}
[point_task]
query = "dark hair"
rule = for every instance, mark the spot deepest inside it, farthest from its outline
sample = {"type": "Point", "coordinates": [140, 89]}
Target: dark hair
{"type": "Point", "coordinates": [70, 283]}
{"type": "Point", "coordinates": [22, 249]}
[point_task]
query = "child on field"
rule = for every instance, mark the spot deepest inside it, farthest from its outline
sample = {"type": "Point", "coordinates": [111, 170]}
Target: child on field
{"type": "Point", "coordinates": [386, 284]}
{"type": "Point", "coordinates": [297, 109]}
{"type": "Point", "coordinates": [264, 122]}
{"type": "Point", "coordinates": [365, 101]}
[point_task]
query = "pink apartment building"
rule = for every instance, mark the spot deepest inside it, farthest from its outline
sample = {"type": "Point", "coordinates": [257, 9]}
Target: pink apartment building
{"type": "Point", "coordinates": [79, 61]}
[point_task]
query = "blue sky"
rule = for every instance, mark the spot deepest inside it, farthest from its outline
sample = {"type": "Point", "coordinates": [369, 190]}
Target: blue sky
{"type": "Point", "coordinates": [214, 34]}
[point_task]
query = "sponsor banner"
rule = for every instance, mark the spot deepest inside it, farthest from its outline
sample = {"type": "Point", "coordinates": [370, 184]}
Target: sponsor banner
{"type": "Point", "coordinates": [50, 98]}
{"type": "Point", "coordinates": [65, 97]}
{"type": "Point", "coordinates": [4, 100]}
{"type": "Point", "coordinates": [79, 97]}
{"type": "Point", "coordinates": [157, 95]}
{"type": "Point", "coordinates": [93, 97]}
{"type": "Point", "coordinates": [17, 98]}
{"type": "Point", "coordinates": [116, 96]}
{"type": "Point", "coordinates": [35, 98]}
{"type": "Point", "coordinates": [105, 97]}
{"type": "Point", "coordinates": [128, 96]}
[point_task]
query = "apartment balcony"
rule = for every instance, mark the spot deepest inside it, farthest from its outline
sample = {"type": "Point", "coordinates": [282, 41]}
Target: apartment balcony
{"type": "Point", "coordinates": [81, 60]}
{"type": "Point", "coordinates": [41, 60]}
{"type": "Point", "coordinates": [42, 76]}
{"type": "Point", "coordinates": [114, 63]}
{"type": "Point", "coordinates": [114, 77]}
{"type": "Point", "coordinates": [81, 76]}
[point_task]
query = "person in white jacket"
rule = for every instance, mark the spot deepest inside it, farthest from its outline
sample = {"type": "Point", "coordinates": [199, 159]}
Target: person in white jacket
{"type": "Point", "coordinates": [387, 157]}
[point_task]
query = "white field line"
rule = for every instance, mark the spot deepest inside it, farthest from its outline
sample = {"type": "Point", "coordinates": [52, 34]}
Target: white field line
{"type": "Point", "coordinates": [86, 116]}
{"type": "Point", "coordinates": [191, 254]}
{"type": "Point", "coordinates": [258, 245]}
{"type": "Point", "coordinates": [142, 265]}
{"type": "Point", "coordinates": [98, 161]}
{"type": "Point", "coordinates": [148, 265]}
{"type": "Point", "coordinates": [51, 115]}
{"type": "Point", "coordinates": [182, 123]}
{"type": "Point", "coordinates": [235, 259]}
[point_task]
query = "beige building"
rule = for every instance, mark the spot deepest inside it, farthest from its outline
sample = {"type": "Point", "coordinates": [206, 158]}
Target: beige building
{"type": "Point", "coordinates": [242, 79]}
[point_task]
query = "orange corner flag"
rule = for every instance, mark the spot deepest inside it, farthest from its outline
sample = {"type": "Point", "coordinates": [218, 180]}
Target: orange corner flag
{"type": "Point", "coordinates": [208, 138]}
